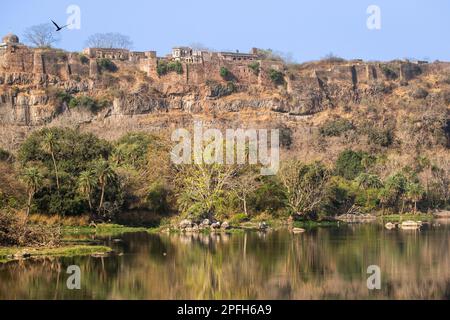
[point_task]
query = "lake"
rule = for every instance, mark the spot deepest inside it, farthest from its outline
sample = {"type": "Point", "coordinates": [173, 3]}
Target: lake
{"type": "Point", "coordinates": [323, 263]}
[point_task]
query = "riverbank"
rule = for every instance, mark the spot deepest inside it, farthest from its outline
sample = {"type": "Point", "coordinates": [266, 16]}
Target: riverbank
{"type": "Point", "coordinates": [79, 239]}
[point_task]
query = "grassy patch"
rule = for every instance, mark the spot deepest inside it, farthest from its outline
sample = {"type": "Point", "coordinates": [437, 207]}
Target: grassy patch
{"type": "Point", "coordinates": [68, 251]}
{"type": "Point", "coordinates": [315, 224]}
{"type": "Point", "coordinates": [101, 230]}
{"type": "Point", "coordinates": [406, 217]}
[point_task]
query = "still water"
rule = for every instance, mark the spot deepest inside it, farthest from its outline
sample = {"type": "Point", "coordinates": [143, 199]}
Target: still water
{"type": "Point", "coordinates": [324, 263]}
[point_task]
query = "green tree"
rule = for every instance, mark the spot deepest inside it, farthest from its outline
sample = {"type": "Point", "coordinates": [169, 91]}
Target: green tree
{"type": "Point", "coordinates": [349, 164]}
{"type": "Point", "coordinates": [104, 174]}
{"type": "Point", "coordinates": [86, 184]}
{"type": "Point", "coordinates": [414, 193]}
{"type": "Point", "coordinates": [33, 179]}
{"type": "Point", "coordinates": [304, 185]}
{"type": "Point", "coordinates": [368, 181]}
{"type": "Point", "coordinates": [48, 145]}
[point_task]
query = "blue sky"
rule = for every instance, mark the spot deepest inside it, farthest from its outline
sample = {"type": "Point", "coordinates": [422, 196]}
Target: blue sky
{"type": "Point", "coordinates": [308, 30]}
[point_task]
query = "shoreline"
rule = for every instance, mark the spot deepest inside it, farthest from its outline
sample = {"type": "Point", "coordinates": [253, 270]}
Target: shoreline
{"type": "Point", "coordinates": [77, 242]}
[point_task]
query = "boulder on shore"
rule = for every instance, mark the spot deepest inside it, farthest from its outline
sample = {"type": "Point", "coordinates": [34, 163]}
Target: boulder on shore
{"type": "Point", "coordinates": [225, 226]}
{"type": "Point", "coordinates": [215, 226]}
{"type": "Point", "coordinates": [185, 224]}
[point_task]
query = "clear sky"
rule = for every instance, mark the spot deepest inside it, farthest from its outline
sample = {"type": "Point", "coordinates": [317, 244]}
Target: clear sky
{"type": "Point", "coordinates": [308, 30]}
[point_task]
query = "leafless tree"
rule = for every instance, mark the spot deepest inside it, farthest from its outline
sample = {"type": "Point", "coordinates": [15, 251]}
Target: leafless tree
{"type": "Point", "coordinates": [41, 35]}
{"type": "Point", "coordinates": [109, 40]}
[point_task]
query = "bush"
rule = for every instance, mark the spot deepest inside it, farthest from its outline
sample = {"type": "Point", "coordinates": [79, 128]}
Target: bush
{"type": "Point", "coordinates": [388, 72]}
{"type": "Point", "coordinates": [175, 66]}
{"type": "Point", "coordinates": [87, 103]}
{"type": "Point", "coordinates": [255, 66]}
{"type": "Point", "coordinates": [84, 59]}
{"type": "Point", "coordinates": [164, 67]}
{"type": "Point", "coordinates": [335, 127]}
{"type": "Point", "coordinates": [157, 199]}
{"type": "Point", "coordinates": [218, 90]}
{"type": "Point", "coordinates": [276, 76]}
{"type": "Point", "coordinates": [106, 65]}
{"type": "Point", "coordinates": [225, 74]}
{"type": "Point", "coordinates": [380, 137]}
{"type": "Point", "coordinates": [161, 68]}
{"type": "Point", "coordinates": [349, 164]}
{"type": "Point", "coordinates": [16, 231]}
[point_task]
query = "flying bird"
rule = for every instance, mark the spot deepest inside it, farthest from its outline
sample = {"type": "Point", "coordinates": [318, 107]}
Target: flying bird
{"type": "Point", "coordinates": [58, 28]}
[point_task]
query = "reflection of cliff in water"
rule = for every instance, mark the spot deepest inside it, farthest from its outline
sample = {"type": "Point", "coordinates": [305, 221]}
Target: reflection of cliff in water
{"type": "Point", "coordinates": [320, 264]}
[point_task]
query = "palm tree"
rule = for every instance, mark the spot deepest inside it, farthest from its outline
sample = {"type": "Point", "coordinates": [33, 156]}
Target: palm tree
{"type": "Point", "coordinates": [86, 183]}
{"type": "Point", "coordinates": [33, 179]}
{"type": "Point", "coordinates": [368, 181]}
{"type": "Point", "coordinates": [414, 192]}
{"type": "Point", "coordinates": [104, 174]}
{"type": "Point", "coordinates": [48, 145]}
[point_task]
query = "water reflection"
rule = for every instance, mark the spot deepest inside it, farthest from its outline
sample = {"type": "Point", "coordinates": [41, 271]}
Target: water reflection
{"type": "Point", "coordinates": [320, 264]}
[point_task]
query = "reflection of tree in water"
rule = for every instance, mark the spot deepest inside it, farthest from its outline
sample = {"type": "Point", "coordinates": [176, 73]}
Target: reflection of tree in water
{"type": "Point", "coordinates": [322, 263]}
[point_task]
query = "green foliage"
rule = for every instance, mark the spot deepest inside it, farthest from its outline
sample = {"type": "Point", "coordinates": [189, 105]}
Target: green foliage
{"type": "Point", "coordinates": [106, 65]}
{"type": "Point", "coordinates": [269, 197]}
{"type": "Point", "coordinates": [88, 103]}
{"type": "Point", "coordinates": [64, 97]}
{"type": "Point", "coordinates": [162, 68]}
{"type": "Point", "coordinates": [276, 76]}
{"type": "Point", "coordinates": [131, 150]}
{"type": "Point", "coordinates": [158, 199]}
{"type": "Point", "coordinates": [165, 67]}
{"type": "Point", "coordinates": [255, 66]}
{"type": "Point", "coordinates": [74, 153]}
{"type": "Point", "coordinates": [389, 72]}
{"type": "Point", "coordinates": [335, 127]}
{"type": "Point", "coordinates": [225, 74]}
{"type": "Point", "coordinates": [175, 66]}
{"type": "Point", "coordinates": [349, 164]}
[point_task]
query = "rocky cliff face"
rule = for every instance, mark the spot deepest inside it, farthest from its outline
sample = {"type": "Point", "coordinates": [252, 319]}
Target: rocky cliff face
{"type": "Point", "coordinates": [53, 88]}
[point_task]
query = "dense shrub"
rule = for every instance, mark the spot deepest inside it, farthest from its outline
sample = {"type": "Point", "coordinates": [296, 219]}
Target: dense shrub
{"type": "Point", "coordinates": [382, 137]}
{"type": "Point", "coordinates": [218, 90]}
{"type": "Point", "coordinates": [335, 127]}
{"type": "Point", "coordinates": [349, 164]}
{"type": "Point", "coordinates": [88, 103]}
{"type": "Point", "coordinates": [106, 65]}
{"type": "Point", "coordinates": [389, 72]}
{"type": "Point", "coordinates": [255, 66]}
{"type": "Point", "coordinates": [16, 231]}
{"type": "Point", "coordinates": [175, 66]}
{"type": "Point", "coordinates": [225, 74]}
{"type": "Point", "coordinates": [131, 150]}
{"type": "Point", "coordinates": [73, 153]}
{"type": "Point", "coordinates": [276, 76]}
{"type": "Point", "coordinates": [165, 67]}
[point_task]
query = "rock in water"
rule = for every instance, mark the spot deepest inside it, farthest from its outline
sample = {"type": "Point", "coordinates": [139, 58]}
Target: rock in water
{"type": "Point", "coordinates": [298, 230]}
